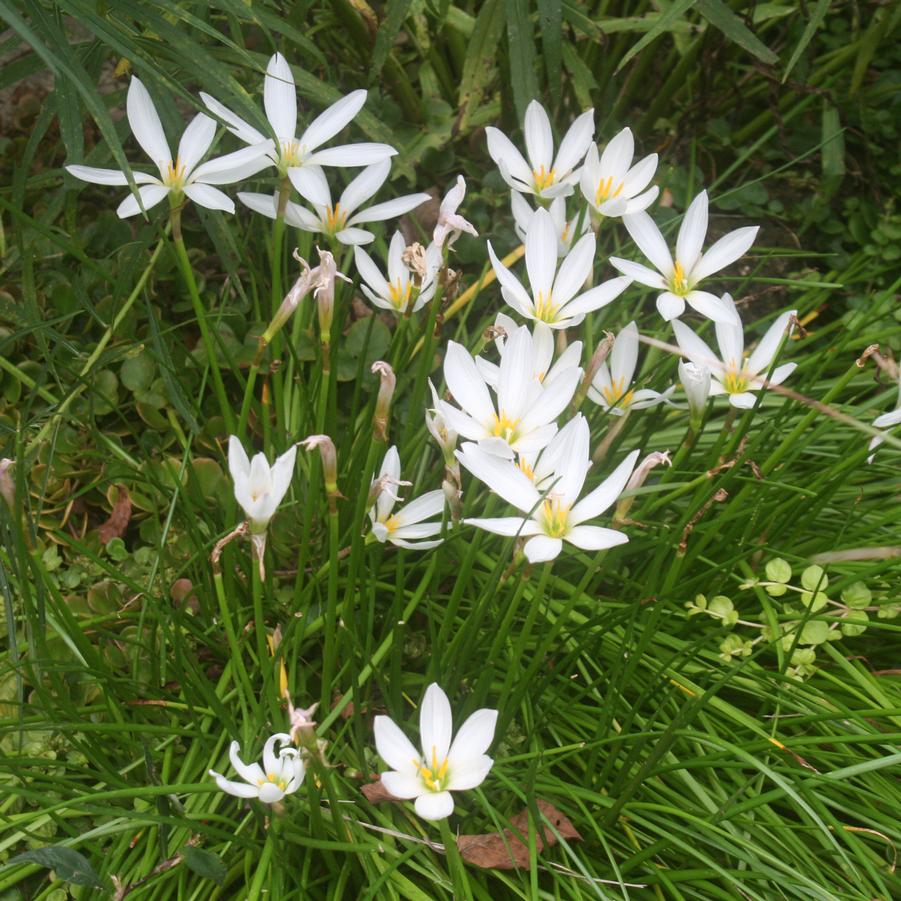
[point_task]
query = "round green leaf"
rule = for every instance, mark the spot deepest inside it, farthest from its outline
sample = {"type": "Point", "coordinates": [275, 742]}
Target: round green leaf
{"type": "Point", "coordinates": [814, 577]}
{"type": "Point", "coordinates": [778, 570]}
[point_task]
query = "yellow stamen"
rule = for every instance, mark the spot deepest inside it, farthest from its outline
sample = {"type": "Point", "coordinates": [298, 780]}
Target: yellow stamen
{"type": "Point", "coordinates": [615, 393]}
{"type": "Point", "coordinates": [555, 516]}
{"type": "Point", "coordinates": [335, 218]}
{"type": "Point", "coordinates": [504, 427]}
{"type": "Point", "coordinates": [434, 777]}
{"type": "Point", "coordinates": [175, 173]}
{"type": "Point", "coordinates": [291, 153]}
{"type": "Point", "coordinates": [605, 190]}
{"type": "Point", "coordinates": [400, 294]}
{"type": "Point", "coordinates": [391, 523]}
{"type": "Point", "coordinates": [545, 308]}
{"type": "Point", "coordinates": [527, 470]}
{"type": "Point", "coordinates": [735, 382]}
{"type": "Point", "coordinates": [679, 283]}
{"type": "Point", "coordinates": [543, 178]}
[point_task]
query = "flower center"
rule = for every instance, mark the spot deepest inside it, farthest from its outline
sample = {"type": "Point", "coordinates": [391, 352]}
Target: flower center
{"type": "Point", "coordinates": [292, 153]}
{"type": "Point", "coordinates": [605, 190]}
{"type": "Point", "coordinates": [504, 427]}
{"type": "Point", "coordinates": [275, 779]}
{"type": "Point", "coordinates": [434, 776]}
{"type": "Point", "coordinates": [175, 174]}
{"type": "Point", "coordinates": [543, 178]}
{"type": "Point", "coordinates": [334, 219]}
{"type": "Point", "coordinates": [391, 523]}
{"type": "Point", "coordinates": [735, 382]}
{"type": "Point", "coordinates": [679, 281]}
{"type": "Point", "coordinates": [615, 393]}
{"type": "Point", "coordinates": [400, 293]}
{"type": "Point", "coordinates": [545, 308]}
{"type": "Point", "coordinates": [556, 517]}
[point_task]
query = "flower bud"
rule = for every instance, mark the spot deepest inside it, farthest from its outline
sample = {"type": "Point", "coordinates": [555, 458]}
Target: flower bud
{"type": "Point", "coordinates": [445, 436]}
{"type": "Point", "coordinates": [7, 486]}
{"type": "Point", "coordinates": [696, 384]}
{"type": "Point", "coordinates": [329, 465]}
{"type": "Point", "coordinates": [450, 223]}
{"type": "Point", "coordinates": [383, 401]}
{"type": "Point", "coordinates": [637, 479]}
{"type": "Point", "coordinates": [298, 292]}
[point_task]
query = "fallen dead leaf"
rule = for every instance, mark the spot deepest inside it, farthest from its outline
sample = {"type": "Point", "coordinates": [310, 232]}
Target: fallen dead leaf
{"type": "Point", "coordinates": [119, 518]}
{"type": "Point", "coordinates": [376, 793]}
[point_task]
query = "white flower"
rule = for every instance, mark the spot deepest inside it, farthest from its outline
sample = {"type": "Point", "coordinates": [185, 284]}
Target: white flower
{"type": "Point", "coordinates": [553, 514]}
{"type": "Point", "coordinates": [407, 523]}
{"type": "Point", "coordinates": [565, 228]}
{"type": "Point", "coordinates": [282, 772]}
{"type": "Point", "coordinates": [610, 385]}
{"type": "Point", "coordinates": [679, 279]}
{"type": "Point", "coordinates": [885, 421]}
{"type": "Point", "coordinates": [443, 766]}
{"type": "Point", "coordinates": [544, 175]}
{"type": "Point", "coordinates": [338, 221]}
{"type": "Point", "coordinates": [450, 223]}
{"type": "Point", "coordinates": [293, 155]}
{"type": "Point", "coordinates": [611, 184]}
{"type": "Point", "coordinates": [259, 488]}
{"type": "Point", "coordinates": [445, 437]}
{"type": "Point", "coordinates": [737, 375]}
{"type": "Point", "coordinates": [523, 418]}
{"type": "Point", "coordinates": [555, 298]}
{"type": "Point", "coordinates": [400, 289]}
{"type": "Point", "coordinates": [696, 384]}
{"type": "Point", "coordinates": [539, 467]}
{"type": "Point", "coordinates": [181, 175]}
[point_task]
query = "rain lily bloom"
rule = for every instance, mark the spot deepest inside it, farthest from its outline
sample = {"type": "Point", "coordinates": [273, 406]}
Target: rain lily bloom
{"type": "Point", "coordinates": [555, 298]}
{"type": "Point", "coordinates": [611, 184]}
{"type": "Point", "coordinates": [696, 384]}
{"type": "Point", "coordinates": [544, 175]}
{"type": "Point", "coordinates": [179, 176]}
{"type": "Point", "coordinates": [338, 220]}
{"type": "Point", "coordinates": [610, 386]}
{"type": "Point", "coordinates": [445, 437]}
{"type": "Point", "coordinates": [450, 223]}
{"type": "Point", "coordinates": [539, 467]}
{"type": "Point", "coordinates": [281, 774]}
{"type": "Point", "coordinates": [293, 155]}
{"type": "Point", "coordinates": [523, 418]}
{"type": "Point", "coordinates": [554, 513]}
{"type": "Point", "coordinates": [402, 291]}
{"type": "Point", "coordinates": [405, 527]}
{"type": "Point", "coordinates": [443, 766]}
{"type": "Point", "coordinates": [737, 375]}
{"type": "Point", "coordinates": [565, 228]}
{"type": "Point", "coordinates": [678, 279]}
{"type": "Point", "coordinates": [259, 488]}
{"type": "Point", "coordinates": [885, 421]}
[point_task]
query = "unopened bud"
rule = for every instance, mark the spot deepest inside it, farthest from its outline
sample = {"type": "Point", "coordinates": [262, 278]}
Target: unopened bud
{"type": "Point", "coordinates": [452, 495]}
{"type": "Point", "coordinates": [303, 727]}
{"type": "Point", "coordinates": [7, 486]}
{"type": "Point", "coordinates": [329, 465]}
{"type": "Point", "coordinates": [591, 370]}
{"type": "Point", "coordinates": [383, 401]}
{"type": "Point", "coordinates": [438, 428]}
{"type": "Point", "coordinates": [696, 384]}
{"type": "Point", "coordinates": [298, 292]}
{"type": "Point", "coordinates": [637, 479]}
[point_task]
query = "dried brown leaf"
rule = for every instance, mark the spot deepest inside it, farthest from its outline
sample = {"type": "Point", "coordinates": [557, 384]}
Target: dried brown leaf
{"type": "Point", "coordinates": [119, 518]}
{"type": "Point", "coordinates": [376, 793]}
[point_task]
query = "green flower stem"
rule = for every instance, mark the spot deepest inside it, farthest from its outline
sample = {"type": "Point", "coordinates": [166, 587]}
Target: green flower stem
{"type": "Point", "coordinates": [259, 628]}
{"type": "Point", "coordinates": [331, 655]}
{"type": "Point", "coordinates": [455, 862]}
{"type": "Point", "coordinates": [237, 657]}
{"type": "Point", "coordinates": [261, 877]}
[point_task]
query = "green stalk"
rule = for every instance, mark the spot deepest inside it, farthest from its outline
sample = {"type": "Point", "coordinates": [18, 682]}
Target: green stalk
{"type": "Point", "coordinates": [261, 876]}
{"type": "Point", "coordinates": [455, 862]}
{"type": "Point", "coordinates": [237, 656]}
{"type": "Point", "coordinates": [330, 652]}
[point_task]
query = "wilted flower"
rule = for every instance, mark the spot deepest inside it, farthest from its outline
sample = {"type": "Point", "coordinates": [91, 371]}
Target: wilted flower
{"type": "Point", "coordinates": [259, 488]}
{"type": "Point", "coordinates": [282, 772]}
{"type": "Point", "coordinates": [565, 228]}
{"type": "Point", "coordinates": [450, 223]}
{"type": "Point", "coordinates": [443, 766]}
{"type": "Point", "coordinates": [611, 184]}
{"type": "Point", "coordinates": [401, 292]}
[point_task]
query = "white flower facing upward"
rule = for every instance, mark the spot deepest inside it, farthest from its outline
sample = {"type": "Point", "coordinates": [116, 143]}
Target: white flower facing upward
{"type": "Point", "coordinates": [407, 526]}
{"type": "Point", "coordinates": [259, 487]}
{"type": "Point", "coordinates": [292, 154]}
{"type": "Point", "coordinates": [181, 175]}
{"type": "Point", "coordinates": [281, 774]}
{"type": "Point", "coordinates": [565, 228]}
{"type": "Point", "coordinates": [400, 292]}
{"type": "Point", "coordinates": [450, 223]}
{"type": "Point", "coordinates": [522, 419]}
{"type": "Point", "coordinates": [444, 765]}
{"type": "Point", "coordinates": [611, 184]}
{"type": "Point", "coordinates": [553, 513]}
{"type": "Point", "coordinates": [611, 385]}
{"type": "Point", "coordinates": [678, 279]}
{"type": "Point", "coordinates": [544, 175]}
{"type": "Point", "coordinates": [339, 220]}
{"type": "Point", "coordinates": [555, 299]}
{"type": "Point", "coordinates": [737, 375]}
{"type": "Point", "coordinates": [886, 421]}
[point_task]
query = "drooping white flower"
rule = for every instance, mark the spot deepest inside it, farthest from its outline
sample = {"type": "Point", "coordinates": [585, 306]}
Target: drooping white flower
{"type": "Point", "coordinates": [405, 527]}
{"type": "Point", "coordinates": [552, 514]}
{"type": "Point", "coordinates": [565, 228]}
{"type": "Point", "coordinates": [401, 289]}
{"type": "Point", "coordinates": [885, 421]}
{"type": "Point", "coordinates": [522, 418]}
{"type": "Point", "coordinates": [281, 774]}
{"type": "Point", "coordinates": [181, 175]}
{"type": "Point", "coordinates": [544, 175]}
{"type": "Point", "coordinates": [678, 279]}
{"type": "Point", "coordinates": [611, 184]}
{"type": "Point", "coordinates": [555, 298]}
{"type": "Point", "coordinates": [450, 223]}
{"type": "Point", "coordinates": [696, 384]}
{"type": "Point", "coordinates": [293, 155]}
{"type": "Point", "coordinates": [444, 765]}
{"type": "Point", "coordinates": [341, 219]}
{"type": "Point", "coordinates": [259, 488]}
{"type": "Point", "coordinates": [610, 386]}
{"type": "Point", "coordinates": [737, 375]}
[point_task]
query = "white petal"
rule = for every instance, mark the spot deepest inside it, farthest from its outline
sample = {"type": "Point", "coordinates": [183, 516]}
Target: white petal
{"type": "Point", "coordinates": [713, 307]}
{"type": "Point", "coordinates": [522, 214]}
{"type": "Point", "coordinates": [727, 250]}
{"type": "Point", "coordinates": [642, 201]}
{"type": "Point", "coordinates": [502, 476]}
{"type": "Point", "coordinates": [238, 789]}
{"type": "Point", "coordinates": [435, 805]}
{"type": "Point", "coordinates": [474, 737]}
{"type": "Point", "coordinates": [692, 233]}
{"type": "Point", "coordinates": [352, 237]}
{"type": "Point", "coordinates": [364, 186]}
{"type": "Point", "coordinates": [210, 197]}
{"type": "Point", "coordinates": [510, 283]}
{"type": "Point", "coordinates": [469, 774]}
{"type": "Point", "coordinates": [151, 195]}
{"type": "Point", "coordinates": [417, 530]}
{"type": "Point", "coordinates": [390, 468]}
{"type": "Point", "coordinates": [503, 151]}
{"type": "Point", "coordinates": [624, 356]}
{"type": "Point", "coordinates": [541, 253]}
{"type": "Point", "coordinates": [569, 473]}
{"type": "Point", "coordinates": [596, 297]}
{"type": "Point", "coordinates": [370, 273]}
{"type": "Point", "coordinates": [427, 505]}
{"type": "Point", "coordinates": [248, 772]}
{"type": "Point", "coordinates": [399, 206]}
{"type": "Point", "coordinates": [639, 273]}
{"type": "Point", "coordinates": [538, 135]}
{"type": "Point", "coordinates": [415, 545]}
{"type": "Point", "coordinates": [595, 538]}
{"type": "Point", "coordinates": [696, 349]}
{"type": "Point", "coordinates": [238, 463]}
{"type": "Point", "coordinates": [575, 269]}
{"type": "Point", "coordinates": [435, 724]}
{"type": "Point", "coordinates": [650, 241]}
{"type": "Point", "coordinates": [617, 156]}
{"type": "Point", "coordinates": [781, 373]}
{"type": "Point", "coordinates": [763, 354]}
{"type": "Point", "coordinates": [311, 184]}
{"type": "Point", "coordinates": [397, 270]}
{"type": "Point", "coordinates": [235, 124]}
{"type": "Point", "coordinates": [280, 98]}
{"type": "Point", "coordinates": [195, 141]}
{"type": "Point", "coordinates": [259, 203]}
{"type": "Point", "coordinates": [282, 473]}
{"type": "Point", "coordinates": [234, 167]}
{"type": "Point", "coordinates": [543, 351]}
{"type": "Point", "coordinates": [461, 423]}
{"type": "Point", "coordinates": [516, 374]}
{"type": "Point", "coordinates": [670, 305]}
{"type": "Point", "coordinates": [575, 143]}
{"type": "Point", "coordinates": [540, 549]}
{"type": "Point", "coordinates": [743, 401]}
{"type": "Point", "coordinates": [595, 503]}
{"type": "Point", "coordinates": [555, 395]}
{"type": "Point", "coordinates": [362, 154]}
{"type": "Point", "coordinates": [329, 122]}
{"type": "Point", "coordinates": [731, 340]}
{"type": "Point", "coordinates": [639, 175]}
{"type": "Point", "coordinates": [394, 747]}
{"type": "Point", "coordinates": [109, 176]}
{"type": "Point", "coordinates": [466, 384]}
{"type": "Point", "coordinates": [402, 785]}
{"type": "Point", "coordinates": [504, 525]}
{"type": "Point", "coordinates": [146, 126]}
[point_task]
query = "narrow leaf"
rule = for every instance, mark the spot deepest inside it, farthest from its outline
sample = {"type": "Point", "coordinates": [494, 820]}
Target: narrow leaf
{"type": "Point", "coordinates": [396, 13]}
{"type": "Point", "coordinates": [480, 63]}
{"type": "Point", "coordinates": [550, 27]}
{"type": "Point", "coordinates": [720, 16]}
{"type": "Point", "coordinates": [816, 19]}
{"type": "Point", "coordinates": [664, 24]}
{"type": "Point", "coordinates": [521, 42]}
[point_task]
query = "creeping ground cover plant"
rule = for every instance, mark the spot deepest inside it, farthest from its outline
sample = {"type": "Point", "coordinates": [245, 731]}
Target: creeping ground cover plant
{"type": "Point", "coordinates": [526, 450]}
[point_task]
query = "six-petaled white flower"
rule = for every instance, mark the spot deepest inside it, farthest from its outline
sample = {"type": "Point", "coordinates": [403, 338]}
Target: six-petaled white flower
{"type": "Point", "coordinates": [737, 375]}
{"type": "Point", "coordinates": [400, 292]}
{"type": "Point", "coordinates": [678, 279]}
{"type": "Point", "coordinates": [446, 764]}
{"type": "Point", "coordinates": [281, 774]}
{"type": "Point", "coordinates": [555, 298]}
{"type": "Point", "coordinates": [407, 526]}
{"type": "Point", "coordinates": [610, 386]}
{"type": "Point", "coordinates": [611, 184]}
{"type": "Point", "coordinates": [181, 175]}
{"type": "Point", "coordinates": [544, 175]}
{"type": "Point", "coordinates": [565, 228]}
{"type": "Point", "coordinates": [259, 488]}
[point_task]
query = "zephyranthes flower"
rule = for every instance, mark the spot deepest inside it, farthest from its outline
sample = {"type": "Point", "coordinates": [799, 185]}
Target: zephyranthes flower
{"type": "Point", "coordinates": [611, 384]}
{"type": "Point", "coordinates": [179, 176]}
{"type": "Point", "coordinates": [406, 526]}
{"type": "Point", "coordinates": [565, 228]}
{"type": "Point", "coordinates": [678, 279]}
{"type": "Point", "coordinates": [338, 220]}
{"type": "Point", "coordinates": [292, 155]}
{"type": "Point", "coordinates": [401, 292]}
{"type": "Point", "coordinates": [886, 421]}
{"type": "Point", "coordinates": [555, 298]}
{"type": "Point", "coordinates": [450, 223]}
{"type": "Point", "coordinates": [696, 384]}
{"type": "Point", "coordinates": [282, 772]}
{"type": "Point", "coordinates": [443, 766]}
{"type": "Point", "coordinates": [737, 375]}
{"type": "Point", "coordinates": [611, 184]}
{"type": "Point", "coordinates": [544, 175]}
{"type": "Point", "coordinates": [259, 488]}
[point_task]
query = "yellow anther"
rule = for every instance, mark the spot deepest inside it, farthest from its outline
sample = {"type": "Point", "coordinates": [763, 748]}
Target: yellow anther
{"type": "Point", "coordinates": [735, 382]}
{"type": "Point", "coordinates": [679, 283]}
{"type": "Point", "coordinates": [400, 293]}
{"type": "Point", "coordinates": [175, 173]}
{"type": "Point", "coordinates": [605, 190]}
{"type": "Point", "coordinates": [545, 308]}
{"type": "Point", "coordinates": [391, 523]}
{"type": "Point", "coordinates": [556, 518]}
{"type": "Point", "coordinates": [504, 427]}
{"type": "Point", "coordinates": [291, 152]}
{"type": "Point", "coordinates": [527, 470]}
{"type": "Point", "coordinates": [543, 178]}
{"type": "Point", "coordinates": [335, 218]}
{"type": "Point", "coordinates": [615, 393]}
